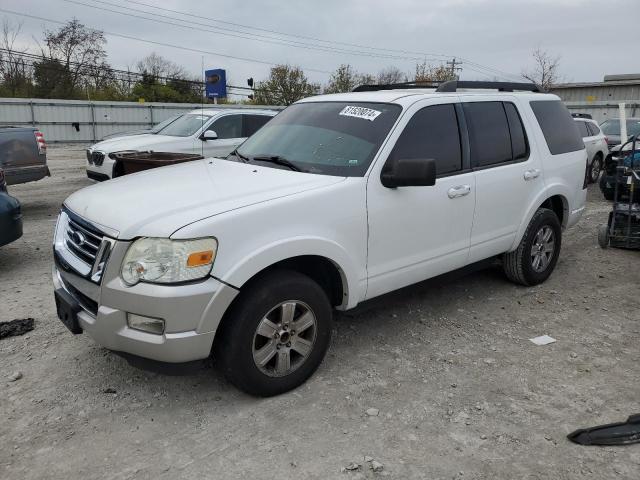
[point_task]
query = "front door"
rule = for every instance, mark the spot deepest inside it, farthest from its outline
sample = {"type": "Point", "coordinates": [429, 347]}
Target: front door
{"type": "Point", "coordinates": [419, 232]}
{"type": "Point", "coordinates": [229, 131]}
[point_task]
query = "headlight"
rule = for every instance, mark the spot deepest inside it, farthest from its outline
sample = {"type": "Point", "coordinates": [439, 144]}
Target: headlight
{"type": "Point", "coordinates": [160, 260]}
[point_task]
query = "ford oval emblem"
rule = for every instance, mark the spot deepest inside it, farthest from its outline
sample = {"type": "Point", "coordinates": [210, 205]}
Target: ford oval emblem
{"type": "Point", "coordinates": [78, 238]}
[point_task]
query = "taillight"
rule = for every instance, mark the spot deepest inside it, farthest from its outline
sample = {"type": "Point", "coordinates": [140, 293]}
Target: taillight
{"type": "Point", "coordinates": [42, 145]}
{"type": "Point", "coordinates": [606, 139]}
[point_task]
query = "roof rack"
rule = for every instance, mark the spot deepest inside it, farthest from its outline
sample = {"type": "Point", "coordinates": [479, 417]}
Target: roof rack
{"type": "Point", "coordinates": [454, 85]}
{"type": "Point", "coordinates": [582, 115]}
{"type": "Point", "coordinates": [395, 86]}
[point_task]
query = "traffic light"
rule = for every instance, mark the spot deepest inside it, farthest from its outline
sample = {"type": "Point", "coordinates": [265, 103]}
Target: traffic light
{"type": "Point", "coordinates": [250, 82]}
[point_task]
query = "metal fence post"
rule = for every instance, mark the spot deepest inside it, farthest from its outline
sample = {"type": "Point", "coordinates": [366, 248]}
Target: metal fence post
{"type": "Point", "coordinates": [33, 114]}
{"type": "Point", "coordinates": [151, 116]}
{"type": "Point", "coordinates": [93, 121]}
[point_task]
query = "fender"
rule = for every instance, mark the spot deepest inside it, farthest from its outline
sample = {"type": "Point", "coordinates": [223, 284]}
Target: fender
{"type": "Point", "coordinates": [256, 261]}
{"type": "Point", "coordinates": [551, 190]}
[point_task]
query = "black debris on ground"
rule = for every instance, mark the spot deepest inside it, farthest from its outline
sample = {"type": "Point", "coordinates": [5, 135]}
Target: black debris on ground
{"type": "Point", "coordinates": [16, 327]}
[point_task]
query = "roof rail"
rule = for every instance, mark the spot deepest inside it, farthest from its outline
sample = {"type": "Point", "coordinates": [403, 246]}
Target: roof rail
{"type": "Point", "coordinates": [395, 86]}
{"type": "Point", "coordinates": [454, 85]}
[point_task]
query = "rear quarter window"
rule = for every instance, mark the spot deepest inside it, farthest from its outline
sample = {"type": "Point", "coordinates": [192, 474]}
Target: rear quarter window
{"type": "Point", "coordinates": [559, 129]}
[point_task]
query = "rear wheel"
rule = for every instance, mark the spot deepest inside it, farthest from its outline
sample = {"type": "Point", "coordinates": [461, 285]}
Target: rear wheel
{"type": "Point", "coordinates": [596, 168]}
{"type": "Point", "coordinates": [537, 254]}
{"type": "Point", "coordinates": [276, 333]}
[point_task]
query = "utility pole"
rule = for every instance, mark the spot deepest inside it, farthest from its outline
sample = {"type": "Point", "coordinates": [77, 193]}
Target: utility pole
{"type": "Point", "coordinates": [453, 68]}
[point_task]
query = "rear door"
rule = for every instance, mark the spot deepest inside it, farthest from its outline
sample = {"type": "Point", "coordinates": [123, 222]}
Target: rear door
{"type": "Point", "coordinates": [420, 232]}
{"type": "Point", "coordinates": [590, 142]}
{"type": "Point", "coordinates": [508, 174]}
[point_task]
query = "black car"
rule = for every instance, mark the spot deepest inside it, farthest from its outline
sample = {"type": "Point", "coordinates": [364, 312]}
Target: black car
{"type": "Point", "coordinates": [10, 215]}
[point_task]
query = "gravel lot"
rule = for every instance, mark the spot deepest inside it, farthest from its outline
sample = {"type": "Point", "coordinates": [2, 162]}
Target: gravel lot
{"type": "Point", "coordinates": [459, 391]}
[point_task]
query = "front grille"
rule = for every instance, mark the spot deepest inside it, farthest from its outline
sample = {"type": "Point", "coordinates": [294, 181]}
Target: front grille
{"type": "Point", "coordinates": [97, 158]}
{"type": "Point", "coordinates": [83, 241]}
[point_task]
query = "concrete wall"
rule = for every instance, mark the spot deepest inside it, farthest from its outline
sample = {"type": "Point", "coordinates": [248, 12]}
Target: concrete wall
{"type": "Point", "coordinates": [56, 118]}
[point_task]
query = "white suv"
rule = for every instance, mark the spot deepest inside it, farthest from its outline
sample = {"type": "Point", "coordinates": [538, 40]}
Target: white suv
{"type": "Point", "coordinates": [212, 133]}
{"type": "Point", "coordinates": [338, 199]}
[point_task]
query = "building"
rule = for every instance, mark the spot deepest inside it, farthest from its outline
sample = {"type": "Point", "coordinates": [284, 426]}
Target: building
{"type": "Point", "coordinates": [601, 99]}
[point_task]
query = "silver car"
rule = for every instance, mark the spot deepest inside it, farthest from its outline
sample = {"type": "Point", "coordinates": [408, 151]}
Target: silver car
{"type": "Point", "coordinates": [596, 144]}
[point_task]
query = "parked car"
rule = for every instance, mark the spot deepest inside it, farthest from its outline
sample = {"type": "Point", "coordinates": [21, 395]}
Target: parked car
{"type": "Point", "coordinates": [10, 215]}
{"type": "Point", "coordinates": [596, 145]}
{"type": "Point", "coordinates": [155, 129]}
{"type": "Point", "coordinates": [211, 133]}
{"type": "Point", "coordinates": [23, 154]}
{"type": "Point", "coordinates": [339, 199]}
{"type": "Point", "coordinates": [611, 129]}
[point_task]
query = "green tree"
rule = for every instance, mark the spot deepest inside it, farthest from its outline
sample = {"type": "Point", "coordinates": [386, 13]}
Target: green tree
{"type": "Point", "coordinates": [286, 84]}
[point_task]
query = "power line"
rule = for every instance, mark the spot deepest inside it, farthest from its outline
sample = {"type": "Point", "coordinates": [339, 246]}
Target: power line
{"type": "Point", "coordinates": [423, 55]}
{"type": "Point", "coordinates": [163, 44]}
{"type": "Point", "coordinates": [235, 33]}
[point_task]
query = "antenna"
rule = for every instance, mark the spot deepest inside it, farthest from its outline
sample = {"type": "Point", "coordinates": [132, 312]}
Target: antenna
{"type": "Point", "coordinates": [202, 93]}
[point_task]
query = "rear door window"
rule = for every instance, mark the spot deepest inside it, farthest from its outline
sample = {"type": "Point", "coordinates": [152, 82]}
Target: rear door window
{"type": "Point", "coordinates": [559, 129]}
{"type": "Point", "coordinates": [593, 129]}
{"type": "Point", "coordinates": [519, 142]}
{"type": "Point", "coordinates": [432, 133]}
{"type": "Point", "coordinates": [582, 128]}
{"type": "Point", "coordinates": [253, 123]}
{"type": "Point", "coordinates": [489, 137]}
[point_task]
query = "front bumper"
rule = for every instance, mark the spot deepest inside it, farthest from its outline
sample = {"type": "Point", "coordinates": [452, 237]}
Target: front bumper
{"type": "Point", "coordinates": [191, 312]}
{"type": "Point", "coordinates": [10, 219]}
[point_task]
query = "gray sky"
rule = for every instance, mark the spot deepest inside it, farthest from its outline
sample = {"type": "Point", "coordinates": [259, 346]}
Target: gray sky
{"type": "Point", "coordinates": [592, 37]}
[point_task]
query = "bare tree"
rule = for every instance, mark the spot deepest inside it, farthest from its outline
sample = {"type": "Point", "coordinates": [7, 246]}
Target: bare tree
{"type": "Point", "coordinates": [425, 72]}
{"type": "Point", "coordinates": [79, 49]}
{"type": "Point", "coordinates": [390, 75]}
{"type": "Point", "coordinates": [15, 70]}
{"type": "Point", "coordinates": [545, 72]}
{"type": "Point", "coordinates": [157, 66]}
{"type": "Point", "coordinates": [286, 84]}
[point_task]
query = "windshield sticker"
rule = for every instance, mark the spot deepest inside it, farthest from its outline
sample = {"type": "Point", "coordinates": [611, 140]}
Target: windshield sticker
{"type": "Point", "coordinates": [360, 112]}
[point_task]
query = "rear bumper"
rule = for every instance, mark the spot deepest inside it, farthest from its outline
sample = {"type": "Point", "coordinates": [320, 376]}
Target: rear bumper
{"type": "Point", "coordinates": [26, 174]}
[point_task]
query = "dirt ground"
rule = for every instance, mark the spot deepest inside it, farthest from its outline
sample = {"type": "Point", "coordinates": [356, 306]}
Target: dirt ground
{"type": "Point", "coordinates": [461, 392]}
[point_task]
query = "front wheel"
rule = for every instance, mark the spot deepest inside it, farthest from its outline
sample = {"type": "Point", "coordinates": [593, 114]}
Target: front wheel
{"type": "Point", "coordinates": [537, 254]}
{"type": "Point", "coordinates": [276, 334]}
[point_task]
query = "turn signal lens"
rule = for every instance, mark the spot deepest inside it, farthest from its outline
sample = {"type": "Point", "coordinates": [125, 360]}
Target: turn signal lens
{"type": "Point", "coordinates": [200, 259]}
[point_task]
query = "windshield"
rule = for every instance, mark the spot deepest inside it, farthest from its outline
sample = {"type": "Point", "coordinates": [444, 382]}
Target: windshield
{"type": "Point", "coordinates": [612, 127]}
{"type": "Point", "coordinates": [159, 126]}
{"type": "Point", "coordinates": [185, 125]}
{"type": "Point", "coordinates": [330, 138]}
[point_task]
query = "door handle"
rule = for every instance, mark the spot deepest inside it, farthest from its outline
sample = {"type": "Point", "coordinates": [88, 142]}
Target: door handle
{"type": "Point", "coordinates": [531, 174]}
{"type": "Point", "coordinates": [459, 191]}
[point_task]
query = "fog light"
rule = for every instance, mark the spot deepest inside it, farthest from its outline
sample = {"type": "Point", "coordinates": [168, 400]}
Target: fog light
{"type": "Point", "coordinates": [145, 324]}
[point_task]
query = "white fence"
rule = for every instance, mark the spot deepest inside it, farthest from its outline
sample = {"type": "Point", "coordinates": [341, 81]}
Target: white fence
{"type": "Point", "coordinates": [85, 121]}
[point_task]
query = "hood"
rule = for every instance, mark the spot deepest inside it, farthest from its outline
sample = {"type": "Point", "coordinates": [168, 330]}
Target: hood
{"type": "Point", "coordinates": [144, 142]}
{"type": "Point", "coordinates": [156, 203]}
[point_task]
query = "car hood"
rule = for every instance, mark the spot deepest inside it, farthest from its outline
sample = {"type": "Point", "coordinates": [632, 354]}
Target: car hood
{"type": "Point", "coordinates": [156, 203]}
{"type": "Point", "coordinates": [144, 142]}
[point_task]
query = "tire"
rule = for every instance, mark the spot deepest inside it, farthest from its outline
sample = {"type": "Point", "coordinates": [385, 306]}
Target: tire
{"type": "Point", "coordinates": [603, 235]}
{"type": "Point", "coordinates": [595, 169]}
{"type": "Point", "coordinates": [522, 265]}
{"type": "Point", "coordinates": [255, 332]}
{"type": "Point", "coordinates": [607, 192]}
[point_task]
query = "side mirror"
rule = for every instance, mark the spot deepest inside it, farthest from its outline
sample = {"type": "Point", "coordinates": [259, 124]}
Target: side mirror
{"type": "Point", "coordinates": [410, 172]}
{"type": "Point", "coordinates": [208, 135]}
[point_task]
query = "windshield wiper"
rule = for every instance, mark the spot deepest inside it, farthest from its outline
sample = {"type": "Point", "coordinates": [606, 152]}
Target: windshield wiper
{"type": "Point", "coordinates": [278, 160]}
{"type": "Point", "coordinates": [235, 153]}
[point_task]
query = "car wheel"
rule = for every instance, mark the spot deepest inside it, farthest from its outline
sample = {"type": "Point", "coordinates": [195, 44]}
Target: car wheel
{"type": "Point", "coordinates": [603, 235]}
{"type": "Point", "coordinates": [595, 169]}
{"type": "Point", "coordinates": [536, 256]}
{"type": "Point", "coordinates": [276, 333]}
